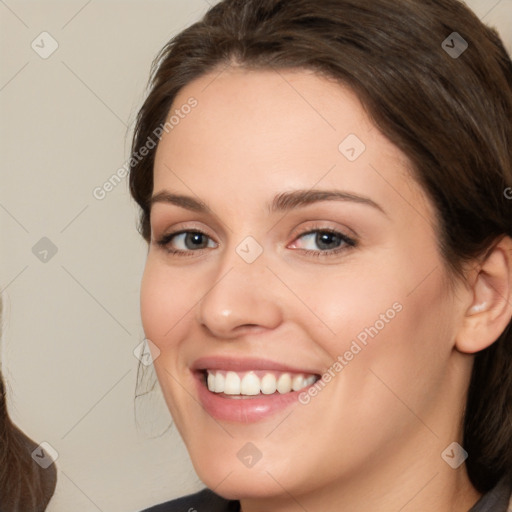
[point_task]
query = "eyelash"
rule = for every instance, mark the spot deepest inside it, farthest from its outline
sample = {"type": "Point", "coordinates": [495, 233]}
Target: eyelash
{"type": "Point", "coordinates": [347, 241]}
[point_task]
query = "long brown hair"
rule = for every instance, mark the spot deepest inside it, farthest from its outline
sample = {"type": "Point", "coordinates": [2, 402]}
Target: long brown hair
{"type": "Point", "coordinates": [24, 485]}
{"type": "Point", "coordinates": [449, 112]}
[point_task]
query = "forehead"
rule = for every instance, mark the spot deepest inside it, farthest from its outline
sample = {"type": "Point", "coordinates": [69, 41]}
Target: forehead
{"type": "Point", "coordinates": [260, 115]}
{"type": "Point", "coordinates": [252, 131]}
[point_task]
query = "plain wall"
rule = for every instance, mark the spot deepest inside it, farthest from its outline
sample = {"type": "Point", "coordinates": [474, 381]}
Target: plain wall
{"type": "Point", "coordinates": [71, 322]}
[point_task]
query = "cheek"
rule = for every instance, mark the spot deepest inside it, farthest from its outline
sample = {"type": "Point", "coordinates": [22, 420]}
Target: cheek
{"type": "Point", "coordinates": [398, 294]}
{"type": "Point", "coordinates": [350, 305]}
{"type": "Point", "coordinates": [407, 348]}
{"type": "Point", "coordinates": [395, 346]}
{"type": "Point", "coordinates": [392, 320]}
{"type": "Point", "coordinates": [164, 301]}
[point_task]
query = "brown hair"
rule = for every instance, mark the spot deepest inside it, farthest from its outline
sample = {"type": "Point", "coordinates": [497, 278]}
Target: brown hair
{"type": "Point", "coordinates": [450, 114]}
{"type": "Point", "coordinates": [24, 485]}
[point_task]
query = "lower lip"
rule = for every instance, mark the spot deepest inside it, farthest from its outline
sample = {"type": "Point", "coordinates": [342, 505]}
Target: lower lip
{"type": "Point", "coordinates": [244, 410]}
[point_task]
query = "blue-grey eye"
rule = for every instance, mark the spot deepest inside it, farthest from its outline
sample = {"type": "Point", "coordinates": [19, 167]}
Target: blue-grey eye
{"type": "Point", "coordinates": [323, 240]}
{"type": "Point", "coordinates": [188, 241]}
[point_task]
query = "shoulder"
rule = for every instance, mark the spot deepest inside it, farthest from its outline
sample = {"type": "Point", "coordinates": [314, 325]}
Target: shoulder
{"type": "Point", "coordinates": [203, 500]}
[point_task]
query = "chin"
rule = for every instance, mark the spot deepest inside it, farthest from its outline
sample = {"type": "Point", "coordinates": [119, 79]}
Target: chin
{"type": "Point", "coordinates": [242, 484]}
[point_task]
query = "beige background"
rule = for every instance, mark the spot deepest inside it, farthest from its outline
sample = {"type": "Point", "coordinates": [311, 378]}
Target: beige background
{"type": "Point", "coordinates": [72, 322]}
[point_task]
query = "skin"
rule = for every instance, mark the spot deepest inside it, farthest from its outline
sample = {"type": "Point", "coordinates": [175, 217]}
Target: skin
{"type": "Point", "coordinates": [372, 438]}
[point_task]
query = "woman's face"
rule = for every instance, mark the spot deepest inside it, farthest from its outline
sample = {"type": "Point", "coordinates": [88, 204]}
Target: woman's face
{"type": "Point", "coordinates": [302, 248]}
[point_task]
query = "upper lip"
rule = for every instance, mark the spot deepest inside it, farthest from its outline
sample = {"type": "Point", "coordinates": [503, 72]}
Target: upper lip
{"type": "Point", "coordinates": [245, 364]}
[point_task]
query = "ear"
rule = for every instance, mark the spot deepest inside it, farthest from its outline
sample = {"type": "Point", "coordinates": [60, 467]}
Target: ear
{"type": "Point", "coordinates": [490, 310]}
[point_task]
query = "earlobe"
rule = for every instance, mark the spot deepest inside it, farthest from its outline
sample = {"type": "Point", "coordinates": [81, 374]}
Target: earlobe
{"type": "Point", "coordinates": [477, 308]}
{"type": "Point", "coordinates": [491, 308]}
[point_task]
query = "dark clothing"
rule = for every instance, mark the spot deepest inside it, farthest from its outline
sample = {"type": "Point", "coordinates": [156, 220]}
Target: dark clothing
{"type": "Point", "coordinates": [203, 501]}
{"type": "Point", "coordinates": [496, 500]}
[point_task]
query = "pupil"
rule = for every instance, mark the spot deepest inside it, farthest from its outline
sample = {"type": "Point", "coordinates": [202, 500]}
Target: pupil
{"type": "Point", "coordinates": [326, 240]}
{"type": "Point", "coordinates": [194, 240]}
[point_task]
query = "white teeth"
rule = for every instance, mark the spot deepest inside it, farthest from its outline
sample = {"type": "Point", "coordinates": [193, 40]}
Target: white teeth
{"type": "Point", "coordinates": [268, 384]}
{"type": "Point", "coordinates": [211, 381]}
{"type": "Point", "coordinates": [232, 384]}
{"type": "Point", "coordinates": [284, 383]}
{"type": "Point", "coordinates": [309, 381]}
{"type": "Point", "coordinates": [219, 383]}
{"type": "Point", "coordinates": [249, 384]}
{"type": "Point", "coordinates": [297, 382]}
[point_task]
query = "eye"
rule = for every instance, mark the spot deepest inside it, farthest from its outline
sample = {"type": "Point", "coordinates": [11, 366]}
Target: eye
{"type": "Point", "coordinates": [323, 241]}
{"type": "Point", "coordinates": [186, 241]}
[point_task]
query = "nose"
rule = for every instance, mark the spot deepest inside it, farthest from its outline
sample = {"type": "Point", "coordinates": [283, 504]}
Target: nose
{"type": "Point", "coordinates": [240, 299]}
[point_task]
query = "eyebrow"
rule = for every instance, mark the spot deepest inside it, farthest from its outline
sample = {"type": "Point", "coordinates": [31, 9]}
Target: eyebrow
{"type": "Point", "coordinates": [187, 202]}
{"type": "Point", "coordinates": [282, 202]}
{"type": "Point", "coordinates": [298, 198]}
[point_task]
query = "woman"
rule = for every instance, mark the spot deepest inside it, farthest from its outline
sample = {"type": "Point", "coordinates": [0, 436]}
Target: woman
{"type": "Point", "coordinates": [328, 281]}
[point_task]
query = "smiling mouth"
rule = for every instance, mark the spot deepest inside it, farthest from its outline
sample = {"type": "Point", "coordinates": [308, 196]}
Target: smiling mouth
{"type": "Point", "coordinates": [255, 383]}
